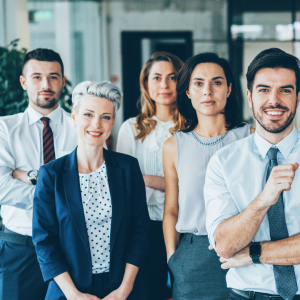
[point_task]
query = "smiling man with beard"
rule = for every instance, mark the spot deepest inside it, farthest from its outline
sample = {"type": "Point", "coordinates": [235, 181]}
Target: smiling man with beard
{"type": "Point", "coordinates": [27, 141]}
{"type": "Point", "coordinates": [251, 191]}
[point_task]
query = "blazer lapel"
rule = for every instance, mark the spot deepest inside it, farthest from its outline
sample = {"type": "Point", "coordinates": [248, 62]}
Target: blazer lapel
{"type": "Point", "coordinates": [116, 188]}
{"type": "Point", "coordinates": [73, 197]}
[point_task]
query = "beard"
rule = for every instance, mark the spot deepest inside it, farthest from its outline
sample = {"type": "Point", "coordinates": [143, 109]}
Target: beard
{"type": "Point", "coordinates": [46, 102]}
{"type": "Point", "coordinates": [273, 126]}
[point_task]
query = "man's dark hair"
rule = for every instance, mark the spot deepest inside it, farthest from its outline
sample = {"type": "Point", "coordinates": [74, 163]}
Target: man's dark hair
{"type": "Point", "coordinates": [185, 107]}
{"type": "Point", "coordinates": [43, 55]}
{"type": "Point", "coordinates": [273, 58]}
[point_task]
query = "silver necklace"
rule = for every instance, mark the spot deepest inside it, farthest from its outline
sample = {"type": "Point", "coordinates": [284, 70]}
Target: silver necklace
{"type": "Point", "coordinates": [209, 144]}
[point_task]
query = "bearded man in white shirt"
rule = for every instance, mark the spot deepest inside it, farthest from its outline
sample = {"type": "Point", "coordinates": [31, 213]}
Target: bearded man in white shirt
{"type": "Point", "coordinates": [27, 141]}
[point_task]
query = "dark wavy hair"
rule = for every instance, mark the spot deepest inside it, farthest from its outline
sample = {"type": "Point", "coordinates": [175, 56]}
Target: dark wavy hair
{"type": "Point", "coordinates": [185, 107]}
{"type": "Point", "coordinates": [273, 58]}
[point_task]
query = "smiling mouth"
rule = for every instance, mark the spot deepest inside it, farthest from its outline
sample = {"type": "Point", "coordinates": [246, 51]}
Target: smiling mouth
{"type": "Point", "coordinates": [94, 134]}
{"type": "Point", "coordinates": [274, 113]}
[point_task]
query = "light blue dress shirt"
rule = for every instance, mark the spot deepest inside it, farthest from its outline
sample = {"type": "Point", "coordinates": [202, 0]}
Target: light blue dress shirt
{"type": "Point", "coordinates": [235, 176]}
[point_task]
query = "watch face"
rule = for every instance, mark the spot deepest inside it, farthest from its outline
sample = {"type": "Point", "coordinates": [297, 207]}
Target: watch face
{"type": "Point", "coordinates": [33, 174]}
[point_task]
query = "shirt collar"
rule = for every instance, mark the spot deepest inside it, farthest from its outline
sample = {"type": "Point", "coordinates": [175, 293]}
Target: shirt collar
{"type": "Point", "coordinates": [161, 123]}
{"type": "Point", "coordinates": [55, 116]}
{"type": "Point", "coordinates": [285, 146]}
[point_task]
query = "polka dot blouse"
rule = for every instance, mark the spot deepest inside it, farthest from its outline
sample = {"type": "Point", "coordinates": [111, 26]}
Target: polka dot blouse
{"type": "Point", "coordinates": [97, 208]}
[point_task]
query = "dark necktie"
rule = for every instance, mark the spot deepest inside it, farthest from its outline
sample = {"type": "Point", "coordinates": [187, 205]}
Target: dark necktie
{"type": "Point", "coordinates": [285, 278]}
{"type": "Point", "coordinates": [48, 145]}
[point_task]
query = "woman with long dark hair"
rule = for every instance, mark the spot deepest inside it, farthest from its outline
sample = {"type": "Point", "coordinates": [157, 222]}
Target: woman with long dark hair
{"type": "Point", "coordinates": [208, 101]}
{"type": "Point", "coordinates": [143, 137]}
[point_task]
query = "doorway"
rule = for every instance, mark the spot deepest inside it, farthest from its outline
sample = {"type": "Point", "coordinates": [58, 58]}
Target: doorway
{"type": "Point", "coordinates": [137, 47]}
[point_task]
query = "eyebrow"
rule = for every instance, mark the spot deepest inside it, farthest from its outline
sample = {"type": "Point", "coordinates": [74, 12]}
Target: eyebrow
{"type": "Point", "coordinates": [282, 87]}
{"type": "Point", "coordinates": [54, 73]}
{"type": "Point", "coordinates": [161, 74]}
{"type": "Point", "coordinates": [93, 112]}
{"type": "Point", "coordinates": [214, 78]}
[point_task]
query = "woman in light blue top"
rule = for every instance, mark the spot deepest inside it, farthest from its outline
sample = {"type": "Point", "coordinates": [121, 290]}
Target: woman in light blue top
{"type": "Point", "coordinates": [207, 99]}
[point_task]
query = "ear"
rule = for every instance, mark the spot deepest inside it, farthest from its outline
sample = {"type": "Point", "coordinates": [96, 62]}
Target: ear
{"type": "Point", "coordinates": [73, 116]}
{"type": "Point", "coordinates": [249, 97]}
{"type": "Point", "coordinates": [229, 90]}
{"type": "Point", "coordinates": [114, 120]}
{"type": "Point", "coordinates": [64, 81]}
{"type": "Point", "coordinates": [188, 94]}
{"type": "Point", "coordinates": [22, 81]}
{"type": "Point", "coordinates": [298, 99]}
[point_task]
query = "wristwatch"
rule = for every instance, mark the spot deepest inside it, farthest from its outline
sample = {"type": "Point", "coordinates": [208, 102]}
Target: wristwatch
{"type": "Point", "coordinates": [32, 176]}
{"type": "Point", "coordinates": [255, 252]}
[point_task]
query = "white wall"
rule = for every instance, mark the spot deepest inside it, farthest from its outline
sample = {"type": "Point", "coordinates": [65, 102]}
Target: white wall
{"type": "Point", "coordinates": [207, 19]}
{"type": "Point", "coordinates": [14, 22]}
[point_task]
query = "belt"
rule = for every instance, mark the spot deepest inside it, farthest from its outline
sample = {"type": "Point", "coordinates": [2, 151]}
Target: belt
{"type": "Point", "coordinates": [260, 296]}
{"type": "Point", "coordinates": [15, 238]}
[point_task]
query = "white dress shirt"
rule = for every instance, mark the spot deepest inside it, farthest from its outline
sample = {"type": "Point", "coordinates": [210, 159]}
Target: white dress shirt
{"type": "Point", "coordinates": [96, 202]}
{"type": "Point", "coordinates": [235, 176]}
{"type": "Point", "coordinates": [21, 147]}
{"type": "Point", "coordinates": [149, 156]}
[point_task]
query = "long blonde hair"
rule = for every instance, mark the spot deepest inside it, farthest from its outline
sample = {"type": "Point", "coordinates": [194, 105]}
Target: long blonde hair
{"type": "Point", "coordinates": [144, 122]}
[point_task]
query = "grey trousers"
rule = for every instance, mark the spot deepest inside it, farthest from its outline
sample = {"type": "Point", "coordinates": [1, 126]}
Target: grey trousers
{"type": "Point", "coordinates": [197, 271]}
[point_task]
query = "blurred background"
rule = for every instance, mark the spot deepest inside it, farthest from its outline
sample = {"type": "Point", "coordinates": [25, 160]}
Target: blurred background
{"type": "Point", "coordinates": [110, 40]}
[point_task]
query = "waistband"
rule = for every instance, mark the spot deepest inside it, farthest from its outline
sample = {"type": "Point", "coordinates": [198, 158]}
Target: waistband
{"type": "Point", "coordinates": [192, 238]}
{"type": "Point", "coordinates": [15, 238]}
{"type": "Point", "coordinates": [260, 296]}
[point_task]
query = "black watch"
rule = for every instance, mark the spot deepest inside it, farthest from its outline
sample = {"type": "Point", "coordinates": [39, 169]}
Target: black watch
{"type": "Point", "coordinates": [255, 252]}
{"type": "Point", "coordinates": [32, 176]}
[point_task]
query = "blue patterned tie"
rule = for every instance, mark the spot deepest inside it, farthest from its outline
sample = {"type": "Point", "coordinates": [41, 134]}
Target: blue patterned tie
{"type": "Point", "coordinates": [285, 278]}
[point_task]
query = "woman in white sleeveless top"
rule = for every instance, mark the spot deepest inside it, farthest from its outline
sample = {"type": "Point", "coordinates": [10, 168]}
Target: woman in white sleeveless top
{"type": "Point", "coordinates": [207, 99]}
{"type": "Point", "coordinates": [143, 137]}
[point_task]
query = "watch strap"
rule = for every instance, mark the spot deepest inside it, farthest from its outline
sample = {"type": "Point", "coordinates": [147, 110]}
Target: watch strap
{"type": "Point", "coordinates": [255, 252]}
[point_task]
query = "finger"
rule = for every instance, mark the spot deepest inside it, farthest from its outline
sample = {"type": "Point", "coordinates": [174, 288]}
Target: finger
{"type": "Point", "coordinates": [283, 167]}
{"type": "Point", "coordinates": [225, 266]}
{"type": "Point", "coordinates": [284, 173]}
{"type": "Point", "coordinates": [210, 247]}
{"type": "Point", "coordinates": [295, 165]}
{"type": "Point", "coordinates": [283, 180]}
{"type": "Point", "coordinates": [223, 260]}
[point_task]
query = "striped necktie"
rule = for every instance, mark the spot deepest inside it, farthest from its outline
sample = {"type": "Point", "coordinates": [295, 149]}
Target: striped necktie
{"type": "Point", "coordinates": [285, 278]}
{"type": "Point", "coordinates": [48, 145]}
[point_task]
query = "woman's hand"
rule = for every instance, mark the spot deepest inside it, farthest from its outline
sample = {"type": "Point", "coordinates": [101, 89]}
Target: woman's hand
{"type": "Point", "coordinates": [169, 254]}
{"type": "Point", "coordinates": [121, 293]}
{"type": "Point", "coordinates": [155, 182]}
{"type": "Point", "coordinates": [21, 175]}
{"type": "Point", "coordinates": [81, 296]}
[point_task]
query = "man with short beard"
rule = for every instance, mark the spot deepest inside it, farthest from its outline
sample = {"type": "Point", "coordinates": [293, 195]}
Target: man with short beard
{"type": "Point", "coordinates": [251, 191]}
{"type": "Point", "coordinates": [27, 141]}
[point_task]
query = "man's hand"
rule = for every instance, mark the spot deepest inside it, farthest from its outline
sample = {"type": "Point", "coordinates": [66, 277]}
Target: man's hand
{"type": "Point", "coordinates": [280, 179]}
{"type": "Point", "coordinates": [240, 259]}
{"type": "Point", "coordinates": [21, 175]}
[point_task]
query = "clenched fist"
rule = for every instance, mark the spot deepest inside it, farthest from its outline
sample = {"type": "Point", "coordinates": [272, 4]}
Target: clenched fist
{"type": "Point", "coordinates": [280, 179]}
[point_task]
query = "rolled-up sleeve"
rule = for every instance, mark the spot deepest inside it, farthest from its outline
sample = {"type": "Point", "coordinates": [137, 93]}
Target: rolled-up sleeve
{"type": "Point", "coordinates": [45, 231]}
{"type": "Point", "coordinates": [140, 223]}
{"type": "Point", "coordinates": [218, 200]}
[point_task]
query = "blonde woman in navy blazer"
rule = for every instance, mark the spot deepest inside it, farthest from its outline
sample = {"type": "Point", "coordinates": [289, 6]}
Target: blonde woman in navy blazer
{"type": "Point", "coordinates": [63, 234]}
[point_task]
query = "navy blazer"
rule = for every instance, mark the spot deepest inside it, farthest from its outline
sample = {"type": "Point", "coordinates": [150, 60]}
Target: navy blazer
{"type": "Point", "coordinates": [59, 228]}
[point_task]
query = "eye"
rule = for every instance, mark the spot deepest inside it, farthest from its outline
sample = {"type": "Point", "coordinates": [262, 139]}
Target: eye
{"type": "Point", "coordinates": [286, 91]}
{"type": "Point", "coordinates": [217, 83]}
{"type": "Point", "coordinates": [262, 90]}
{"type": "Point", "coordinates": [172, 78]}
{"type": "Point", "coordinates": [53, 77]}
{"type": "Point", "coordinates": [156, 78]}
{"type": "Point", "coordinates": [36, 77]}
{"type": "Point", "coordinates": [106, 117]}
{"type": "Point", "coordinates": [87, 115]}
{"type": "Point", "coordinates": [198, 83]}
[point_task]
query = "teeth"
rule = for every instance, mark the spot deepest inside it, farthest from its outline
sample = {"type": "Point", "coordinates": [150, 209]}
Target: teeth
{"type": "Point", "coordinates": [92, 133]}
{"type": "Point", "coordinates": [274, 113]}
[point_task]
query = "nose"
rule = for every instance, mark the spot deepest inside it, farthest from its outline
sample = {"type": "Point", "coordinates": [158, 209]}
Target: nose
{"type": "Point", "coordinates": [46, 84]}
{"type": "Point", "coordinates": [164, 83]}
{"type": "Point", "coordinates": [97, 123]}
{"type": "Point", "coordinates": [274, 99]}
{"type": "Point", "coordinates": [208, 90]}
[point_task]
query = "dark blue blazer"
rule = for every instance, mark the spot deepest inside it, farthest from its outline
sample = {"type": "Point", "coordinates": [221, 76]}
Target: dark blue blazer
{"type": "Point", "coordinates": [59, 229]}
